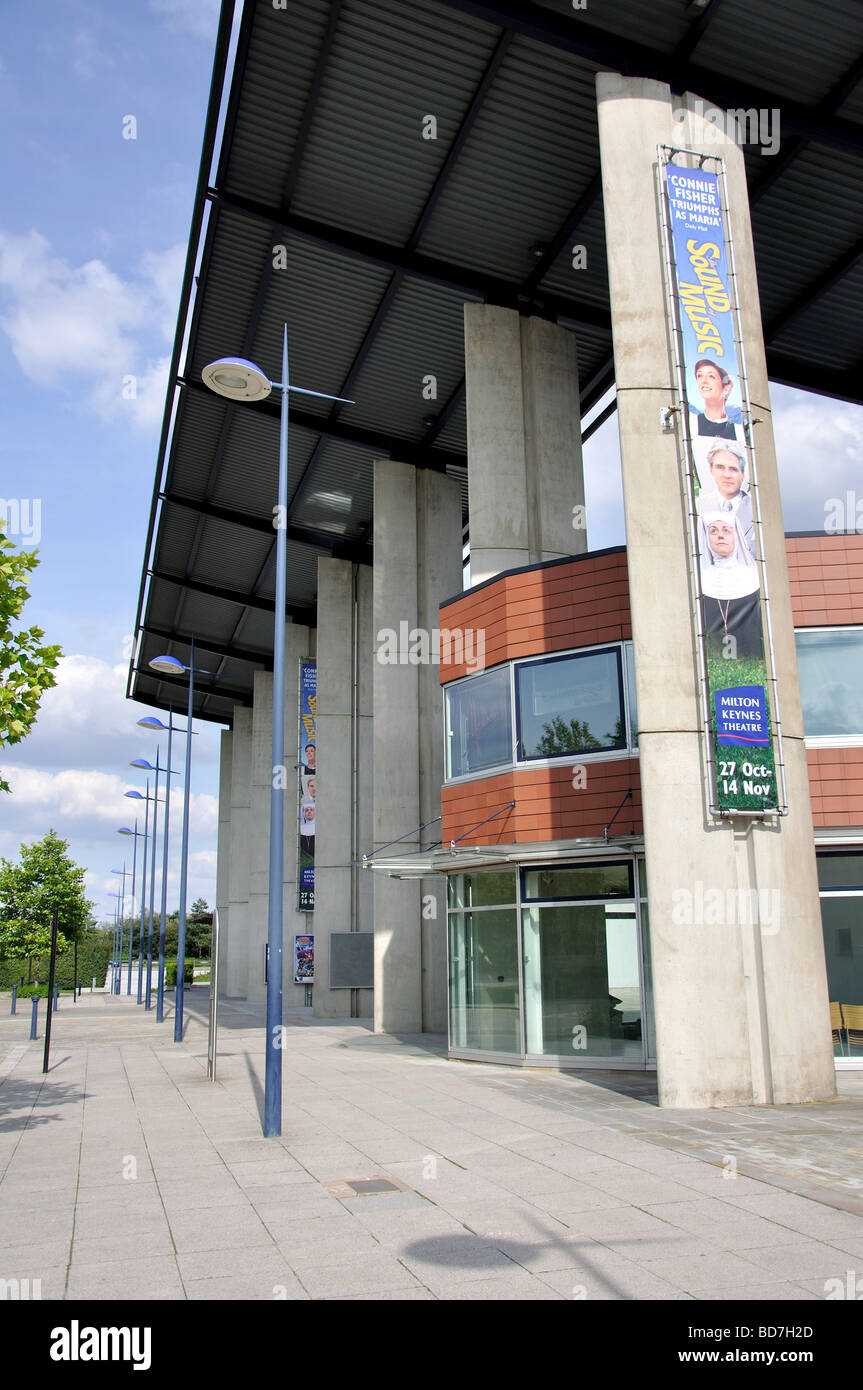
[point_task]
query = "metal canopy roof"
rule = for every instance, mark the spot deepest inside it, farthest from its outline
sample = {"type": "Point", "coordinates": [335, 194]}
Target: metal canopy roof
{"type": "Point", "coordinates": [324, 206]}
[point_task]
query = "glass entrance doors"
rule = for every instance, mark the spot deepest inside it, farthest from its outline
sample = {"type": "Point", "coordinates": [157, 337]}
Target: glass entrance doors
{"type": "Point", "coordinates": [582, 989]}
{"type": "Point", "coordinates": [550, 963]}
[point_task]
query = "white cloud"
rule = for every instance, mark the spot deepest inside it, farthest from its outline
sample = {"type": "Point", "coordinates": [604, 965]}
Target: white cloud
{"type": "Point", "coordinates": [85, 725]}
{"type": "Point", "coordinates": [85, 329]}
{"type": "Point", "coordinates": [198, 17]}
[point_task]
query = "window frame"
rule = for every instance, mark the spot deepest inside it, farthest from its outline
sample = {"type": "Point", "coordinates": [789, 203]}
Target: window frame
{"type": "Point", "coordinates": [826, 740]}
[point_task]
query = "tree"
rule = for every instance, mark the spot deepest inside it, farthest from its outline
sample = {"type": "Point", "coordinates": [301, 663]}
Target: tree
{"type": "Point", "coordinates": [26, 666]}
{"type": "Point", "coordinates": [45, 879]}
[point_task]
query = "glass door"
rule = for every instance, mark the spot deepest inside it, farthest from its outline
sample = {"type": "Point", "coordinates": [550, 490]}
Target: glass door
{"type": "Point", "coordinates": [484, 984]}
{"type": "Point", "coordinates": [582, 983]}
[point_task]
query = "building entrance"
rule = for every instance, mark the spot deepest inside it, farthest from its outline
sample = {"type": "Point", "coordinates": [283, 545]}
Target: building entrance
{"type": "Point", "coordinates": [549, 964]}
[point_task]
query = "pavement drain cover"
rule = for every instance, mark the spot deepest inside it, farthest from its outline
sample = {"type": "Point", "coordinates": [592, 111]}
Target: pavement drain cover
{"type": "Point", "coordinates": [373, 1185]}
{"type": "Point", "coordinates": [364, 1187]}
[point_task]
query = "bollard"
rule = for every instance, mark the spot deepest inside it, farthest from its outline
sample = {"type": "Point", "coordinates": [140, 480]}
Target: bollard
{"type": "Point", "coordinates": [14, 999]}
{"type": "Point", "coordinates": [56, 997]}
{"type": "Point", "coordinates": [93, 985]}
{"type": "Point", "coordinates": [34, 1015]}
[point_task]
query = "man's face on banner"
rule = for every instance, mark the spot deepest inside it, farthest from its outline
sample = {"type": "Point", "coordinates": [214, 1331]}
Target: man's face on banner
{"type": "Point", "coordinates": [726, 473]}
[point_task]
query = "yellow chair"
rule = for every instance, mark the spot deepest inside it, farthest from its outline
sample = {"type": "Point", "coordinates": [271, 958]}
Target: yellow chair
{"type": "Point", "coordinates": [852, 1020]}
{"type": "Point", "coordinates": [836, 1022]}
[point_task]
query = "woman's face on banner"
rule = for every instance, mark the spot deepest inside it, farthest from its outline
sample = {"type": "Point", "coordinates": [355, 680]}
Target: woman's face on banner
{"type": "Point", "coordinates": [709, 383]}
{"type": "Point", "coordinates": [720, 538]}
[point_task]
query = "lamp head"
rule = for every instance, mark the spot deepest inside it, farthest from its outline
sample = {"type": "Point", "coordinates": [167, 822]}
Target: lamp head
{"type": "Point", "coordinates": [237, 379]}
{"type": "Point", "coordinates": [169, 666]}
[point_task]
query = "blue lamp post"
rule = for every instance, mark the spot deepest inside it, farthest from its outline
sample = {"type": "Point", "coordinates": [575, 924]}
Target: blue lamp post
{"type": "Point", "coordinates": [142, 763]}
{"type": "Point", "coordinates": [122, 930]}
{"type": "Point", "coordinates": [146, 798]}
{"type": "Point", "coordinates": [171, 666]}
{"type": "Point", "coordinates": [150, 722]}
{"type": "Point", "coordinates": [240, 380]}
{"type": "Point", "coordinates": [127, 830]}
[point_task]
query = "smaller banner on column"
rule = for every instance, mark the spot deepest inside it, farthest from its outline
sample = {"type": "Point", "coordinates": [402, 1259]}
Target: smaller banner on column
{"type": "Point", "coordinates": [307, 786]}
{"type": "Point", "coordinates": [304, 960]}
{"type": "Point", "coordinates": [720, 479]}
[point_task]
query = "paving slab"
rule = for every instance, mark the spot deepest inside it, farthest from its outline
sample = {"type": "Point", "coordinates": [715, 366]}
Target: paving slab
{"type": "Point", "coordinates": [536, 1186]}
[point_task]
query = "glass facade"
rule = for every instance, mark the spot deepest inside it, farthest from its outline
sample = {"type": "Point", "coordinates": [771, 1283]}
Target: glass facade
{"type": "Point", "coordinates": [570, 704]}
{"type": "Point", "coordinates": [831, 681]}
{"type": "Point", "coordinates": [557, 972]}
{"type": "Point", "coordinates": [575, 704]}
{"type": "Point", "coordinates": [840, 878]}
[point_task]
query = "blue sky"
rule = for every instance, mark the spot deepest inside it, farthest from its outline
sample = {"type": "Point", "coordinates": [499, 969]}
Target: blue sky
{"type": "Point", "coordinates": [93, 235]}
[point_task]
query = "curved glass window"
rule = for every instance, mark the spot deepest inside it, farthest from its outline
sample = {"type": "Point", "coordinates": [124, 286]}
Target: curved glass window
{"type": "Point", "coordinates": [478, 723]}
{"type": "Point", "coordinates": [570, 704]}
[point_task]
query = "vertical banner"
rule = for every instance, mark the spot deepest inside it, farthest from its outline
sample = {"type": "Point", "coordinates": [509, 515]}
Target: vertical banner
{"type": "Point", "coordinates": [720, 482]}
{"type": "Point", "coordinates": [307, 762]}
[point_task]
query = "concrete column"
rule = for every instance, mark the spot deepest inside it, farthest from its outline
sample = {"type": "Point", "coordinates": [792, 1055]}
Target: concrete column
{"type": "Point", "coordinates": [343, 813]}
{"type": "Point", "coordinates": [236, 976]}
{"type": "Point", "coordinates": [417, 565]}
{"type": "Point", "coordinates": [524, 441]}
{"type": "Point", "coordinates": [741, 1011]}
{"type": "Point", "coordinates": [223, 851]}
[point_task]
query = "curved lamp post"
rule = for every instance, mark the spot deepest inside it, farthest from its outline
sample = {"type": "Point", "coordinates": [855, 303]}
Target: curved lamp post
{"type": "Point", "coordinates": [119, 980]}
{"type": "Point", "coordinates": [127, 830]}
{"type": "Point", "coordinates": [171, 666]}
{"type": "Point", "coordinates": [146, 798]}
{"type": "Point", "coordinates": [240, 380]}
{"type": "Point", "coordinates": [150, 722]}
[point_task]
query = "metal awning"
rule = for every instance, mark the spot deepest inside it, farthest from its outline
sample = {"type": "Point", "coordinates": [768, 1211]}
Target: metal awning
{"type": "Point", "coordinates": [320, 202]}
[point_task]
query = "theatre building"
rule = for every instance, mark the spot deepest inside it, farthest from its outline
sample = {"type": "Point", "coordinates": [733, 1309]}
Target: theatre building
{"type": "Point", "coordinates": [574, 807]}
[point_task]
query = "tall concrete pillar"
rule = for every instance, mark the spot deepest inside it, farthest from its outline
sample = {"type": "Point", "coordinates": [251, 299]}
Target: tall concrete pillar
{"type": "Point", "coordinates": [297, 646]}
{"type": "Point", "coordinates": [343, 893]}
{"type": "Point", "coordinates": [236, 978]}
{"type": "Point", "coordinates": [417, 565]}
{"type": "Point", "coordinates": [223, 852]}
{"type": "Point", "coordinates": [741, 1011]}
{"type": "Point", "coordinates": [526, 479]}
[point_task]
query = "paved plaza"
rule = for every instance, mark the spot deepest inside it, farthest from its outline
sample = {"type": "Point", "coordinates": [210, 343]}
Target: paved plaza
{"type": "Point", "coordinates": [127, 1174]}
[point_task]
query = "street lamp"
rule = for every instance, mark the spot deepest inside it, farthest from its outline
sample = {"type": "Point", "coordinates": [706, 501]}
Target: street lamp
{"type": "Point", "coordinates": [150, 722]}
{"type": "Point", "coordinates": [126, 830]}
{"type": "Point", "coordinates": [119, 980]}
{"type": "Point", "coordinates": [171, 666]}
{"type": "Point", "coordinates": [240, 380]}
{"type": "Point", "coordinates": [148, 767]}
{"type": "Point", "coordinates": [146, 798]}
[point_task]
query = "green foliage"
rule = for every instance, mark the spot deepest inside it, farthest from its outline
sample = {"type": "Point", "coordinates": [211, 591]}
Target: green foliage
{"type": "Point", "coordinates": [26, 666]}
{"type": "Point", "coordinates": [574, 736]}
{"type": "Point", "coordinates": [45, 879]}
{"type": "Point", "coordinates": [94, 952]}
{"type": "Point", "coordinates": [171, 972]}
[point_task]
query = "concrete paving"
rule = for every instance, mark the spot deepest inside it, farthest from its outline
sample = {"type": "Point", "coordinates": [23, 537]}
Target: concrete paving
{"type": "Point", "coordinates": [126, 1174]}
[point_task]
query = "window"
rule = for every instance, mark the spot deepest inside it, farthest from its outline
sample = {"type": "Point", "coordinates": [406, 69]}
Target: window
{"type": "Point", "coordinates": [577, 881]}
{"type": "Point", "coordinates": [831, 681]}
{"type": "Point", "coordinates": [478, 723]}
{"type": "Point", "coordinates": [570, 704]}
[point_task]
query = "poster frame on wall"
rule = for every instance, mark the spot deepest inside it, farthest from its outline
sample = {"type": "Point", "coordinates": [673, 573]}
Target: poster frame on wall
{"type": "Point", "coordinates": [711, 745]}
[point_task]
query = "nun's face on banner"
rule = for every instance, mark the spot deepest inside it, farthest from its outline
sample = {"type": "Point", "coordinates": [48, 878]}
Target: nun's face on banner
{"type": "Point", "coordinates": [720, 538]}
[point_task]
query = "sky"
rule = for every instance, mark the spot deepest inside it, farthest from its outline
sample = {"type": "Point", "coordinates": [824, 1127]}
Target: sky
{"type": "Point", "coordinates": [93, 236]}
